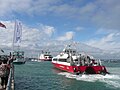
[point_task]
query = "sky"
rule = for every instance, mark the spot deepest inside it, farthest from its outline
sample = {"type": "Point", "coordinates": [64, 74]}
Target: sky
{"type": "Point", "coordinates": [93, 22]}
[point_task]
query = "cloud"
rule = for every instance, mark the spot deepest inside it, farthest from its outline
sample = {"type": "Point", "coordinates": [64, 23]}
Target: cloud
{"type": "Point", "coordinates": [79, 28]}
{"type": "Point", "coordinates": [101, 13]}
{"type": "Point", "coordinates": [106, 31]}
{"type": "Point", "coordinates": [109, 42]}
{"type": "Point", "coordinates": [6, 35]}
{"type": "Point", "coordinates": [29, 7]}
{"type": "Point", "coordinates": [68, 36]}
{"type": "Point", "coordinates": [30, 36]}
{"type": "Point", "coordinates": [48, 30]}
{"type": "Point", "coordinates": [10, 6]}
{"type": "Point", "coordinates": [107, 15]}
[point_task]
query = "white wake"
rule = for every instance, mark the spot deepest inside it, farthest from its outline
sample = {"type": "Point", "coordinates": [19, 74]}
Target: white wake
{"type": "Point", "coordinates": [109, 79]}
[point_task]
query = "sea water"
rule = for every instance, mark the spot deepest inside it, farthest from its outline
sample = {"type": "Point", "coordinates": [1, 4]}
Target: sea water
{"type": "Point", "coordinates": [43, 76]}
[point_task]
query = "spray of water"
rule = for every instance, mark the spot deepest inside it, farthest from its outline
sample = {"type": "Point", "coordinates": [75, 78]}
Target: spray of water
{"type": "Point", "coordinates": [109, 79]}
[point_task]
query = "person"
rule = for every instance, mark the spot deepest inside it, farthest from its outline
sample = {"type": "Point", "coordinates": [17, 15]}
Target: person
{"type": "Point", "coordinates": [5, 69]}
{"type": "Point", "coordinates": [11, 58]}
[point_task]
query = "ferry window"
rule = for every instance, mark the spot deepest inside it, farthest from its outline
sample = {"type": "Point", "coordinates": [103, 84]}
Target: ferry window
{"type": "Point", "coordinates": [54, 59]}
{"type": "Point", "coordinates": [74, 51]}
{"type": "Point", "coordinates": [63, 60]}
{"type": "Point", "coordinates": [46, 55]}
{"type": "Point", "coordinates": [76, 60]}
{"type": "Point", "coordinates": [65, 50]}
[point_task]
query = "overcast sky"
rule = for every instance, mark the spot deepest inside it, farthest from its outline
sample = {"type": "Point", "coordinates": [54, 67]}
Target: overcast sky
{"type": "Point", "coordinates": [93, 22]}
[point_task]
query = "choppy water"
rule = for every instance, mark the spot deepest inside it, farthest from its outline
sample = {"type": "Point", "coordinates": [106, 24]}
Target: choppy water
{"type": "Point", "coordinates": [42, 76]}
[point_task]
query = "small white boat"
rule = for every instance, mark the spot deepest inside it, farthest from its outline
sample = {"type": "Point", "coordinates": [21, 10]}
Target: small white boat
{"type": "Point", "coordinates": [45, 56]}
{"type": "Point", "coordinates": [19, 57]}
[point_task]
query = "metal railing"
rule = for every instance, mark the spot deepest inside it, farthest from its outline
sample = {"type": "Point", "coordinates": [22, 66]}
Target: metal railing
{"type": "Point", "coordinates": [11, 78]}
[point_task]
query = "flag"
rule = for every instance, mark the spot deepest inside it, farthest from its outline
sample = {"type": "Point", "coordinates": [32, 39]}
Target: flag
{"type": "Point", "coordinates": [2, 50]}
{"type": "Point", "coordinates": [17, 32]}
{"type": "Point", "coordinates": [2, 25]}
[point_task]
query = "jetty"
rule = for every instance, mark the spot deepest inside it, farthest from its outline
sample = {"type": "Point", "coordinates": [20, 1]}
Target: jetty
{"type": "Point", "coordinates": [10, 84]}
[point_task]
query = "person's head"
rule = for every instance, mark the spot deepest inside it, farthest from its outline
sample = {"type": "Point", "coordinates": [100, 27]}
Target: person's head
{"type": "Point", "coordinates": [13, 57]}
{"type": "Point", "coordinates": [4, 61]}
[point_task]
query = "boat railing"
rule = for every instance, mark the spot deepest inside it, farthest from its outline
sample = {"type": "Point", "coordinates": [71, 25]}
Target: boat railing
{"type": "Point", "coordinates": [85, 61]}
{"type": "Point", "coordinates": [10, 84]}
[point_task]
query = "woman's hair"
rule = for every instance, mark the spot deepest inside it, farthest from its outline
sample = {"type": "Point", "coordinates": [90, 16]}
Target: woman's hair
{"type": "Point", "coordinates": [5, 61]}
{"type": "Point", "coordinates": [0, 62]}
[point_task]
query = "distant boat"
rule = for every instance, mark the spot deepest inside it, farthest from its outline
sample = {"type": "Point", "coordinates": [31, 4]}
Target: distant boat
{"type": "Point", "coordinates": [34, 60]}
{"type": "Point", "coordinates": [19, 57]}
{"type": "Point", "coordinates": [78, 63]}
{"type": "Point", "coordinates": [45, 56]}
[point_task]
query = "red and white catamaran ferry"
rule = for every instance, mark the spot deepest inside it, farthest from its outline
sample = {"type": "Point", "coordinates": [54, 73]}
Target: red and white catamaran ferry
{"type": "Point", "coordinates": [78, 63]}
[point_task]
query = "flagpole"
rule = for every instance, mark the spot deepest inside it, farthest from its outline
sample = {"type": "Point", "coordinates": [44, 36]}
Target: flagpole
{"type": "Point", "coordinates": [14, 36]}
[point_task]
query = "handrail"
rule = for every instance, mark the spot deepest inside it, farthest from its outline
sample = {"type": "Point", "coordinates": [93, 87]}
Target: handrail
{"type": "Point", "coordinates": [10, 78]}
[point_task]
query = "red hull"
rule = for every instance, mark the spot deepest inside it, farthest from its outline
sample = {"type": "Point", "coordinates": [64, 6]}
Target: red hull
{"type": "Point", "coordinates": [81, 69]}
